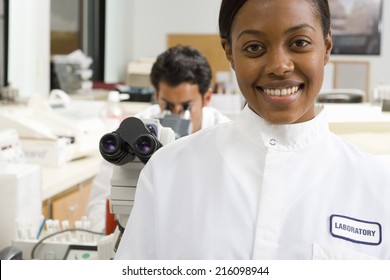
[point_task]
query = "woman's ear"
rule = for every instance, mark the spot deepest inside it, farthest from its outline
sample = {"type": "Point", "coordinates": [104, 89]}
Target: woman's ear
{"type": "Point", "coordinates": [328, 46]}
{"type": "Point", "coordinates": [228, 51]}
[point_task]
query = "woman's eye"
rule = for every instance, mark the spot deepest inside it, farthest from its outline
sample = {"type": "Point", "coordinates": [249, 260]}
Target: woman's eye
{"type": "Point", "coordinates": [254, 48]}
{"type": "Point", "coordinates": [300, 43]}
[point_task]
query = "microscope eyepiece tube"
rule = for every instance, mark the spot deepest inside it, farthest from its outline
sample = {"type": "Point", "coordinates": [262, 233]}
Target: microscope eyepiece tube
{"type": "Point", "coordinates": [109, 143]}
{"type": "Point", "coordinates": [115, 150]}
{"type": "Point", "coordinates": [133, 138]}
{"type": "Point", "coordinates": [145, 146]}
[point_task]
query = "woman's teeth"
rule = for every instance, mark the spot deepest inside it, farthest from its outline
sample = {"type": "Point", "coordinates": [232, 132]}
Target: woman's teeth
{"type": "Point", "coordinates": [281, 92]}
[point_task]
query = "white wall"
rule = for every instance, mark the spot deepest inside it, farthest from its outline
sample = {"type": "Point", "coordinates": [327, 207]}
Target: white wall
{"type": "Point", "coordinates": [155, 19]}
{"type": "Point", "coordinates": [29, 47]}
{"type": "Point", "coordinates": [118, 41]}
{"type": "Point", "coordinates": [146, 24]}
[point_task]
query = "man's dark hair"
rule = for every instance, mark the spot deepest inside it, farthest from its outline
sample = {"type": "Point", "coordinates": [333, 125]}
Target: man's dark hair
{"type": "Point", "coordinates": [181, 64]}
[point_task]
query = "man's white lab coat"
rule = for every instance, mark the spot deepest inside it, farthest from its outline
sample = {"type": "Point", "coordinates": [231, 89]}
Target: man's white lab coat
{"type": "Point", "coordinates": [210, 116]}
{"type": "Point", "coordinates": [251, 190]}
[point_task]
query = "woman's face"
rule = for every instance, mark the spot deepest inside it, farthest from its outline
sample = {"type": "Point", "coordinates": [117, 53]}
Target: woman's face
{"type": "Point", "coordinates": [278, 52]}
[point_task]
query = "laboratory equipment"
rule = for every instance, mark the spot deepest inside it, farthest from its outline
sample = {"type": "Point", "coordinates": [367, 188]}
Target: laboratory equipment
{"type": "Point", "coordinates": [138, 74]}
{"type": "Point", "coordinates": [341, 96]}
{"type": "Point", "coordinates": [20, 201]}
{"type": "Point", "coordinates": [10, 147]}
{"type": "Point", "coordinates": [138, 85]}
{"type": "Point", "coordinates": [11, 253]}
{"type": "Point", "coordinates": [180, 124]}
{"type": "Point", "coordinates": [54, 135]}
{"type": "Point", "coordinates": [113, 112]}
{"type": "Point", "coordinates": [128, 149]}
{"type": "Point", "coordinates": [71, 73]}
{"type": "Point", "coordinates": [59, 241]}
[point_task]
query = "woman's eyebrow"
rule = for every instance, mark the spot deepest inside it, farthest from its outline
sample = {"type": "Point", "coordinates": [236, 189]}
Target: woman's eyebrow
{"type": "Point", "coordinates": [250, 32]}
{"type": "Point", "coordinates": [290, 30]}
{"type": "Point", "coordinates": [299, 27]}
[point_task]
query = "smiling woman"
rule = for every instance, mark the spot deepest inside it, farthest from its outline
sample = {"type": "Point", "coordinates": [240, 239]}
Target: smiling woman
{"type": "Point", "coordinates": [274, 183]}
{"type": "Point", "coordinates": [278, 58]}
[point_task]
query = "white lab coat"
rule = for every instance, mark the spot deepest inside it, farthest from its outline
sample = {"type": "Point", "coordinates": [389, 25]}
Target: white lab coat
{"type": "Point", "coordinates": [100, 190]}
{"type": "Point", "coordinates": [251, 190]}
{"type": "Point", "coordinates": [210, 116]}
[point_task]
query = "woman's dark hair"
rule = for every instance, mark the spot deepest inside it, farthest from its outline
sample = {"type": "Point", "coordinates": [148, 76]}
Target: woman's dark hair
{"type": "Point", "coordinates": [182, 64]}
{"type": "Point", "coordinates": [229, 9]}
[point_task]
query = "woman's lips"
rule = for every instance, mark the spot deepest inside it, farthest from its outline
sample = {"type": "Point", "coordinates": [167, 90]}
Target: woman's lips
{"type": "Point", "coordinates": [281, 91]}
{"type": "Point", "coordinates": [281, 96]}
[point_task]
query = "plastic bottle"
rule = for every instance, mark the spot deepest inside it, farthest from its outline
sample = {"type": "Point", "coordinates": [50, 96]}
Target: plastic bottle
{"type": "Point", "coordinates": [113, 112]}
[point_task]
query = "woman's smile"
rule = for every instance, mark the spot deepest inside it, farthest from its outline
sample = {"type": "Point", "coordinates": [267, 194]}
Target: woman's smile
{"type": "Point", "coordinates": [280, 91]}
{"type": "Point", "coordinates": [280, 96]}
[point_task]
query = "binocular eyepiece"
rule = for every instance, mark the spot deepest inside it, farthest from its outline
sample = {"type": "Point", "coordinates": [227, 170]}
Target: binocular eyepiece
{"type": "Point", "coordinates": [132, 139]}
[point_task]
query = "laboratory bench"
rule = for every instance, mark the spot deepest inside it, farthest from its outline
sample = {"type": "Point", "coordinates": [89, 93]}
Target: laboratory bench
{"type": "Point", "coordinates": [359, 117]}
{"type": "Point", "coordinates": [65, 189]}
{"type": "Point", "coordinates": [362, 124]}
{"type": "Point", "coordinates": [56, 180]}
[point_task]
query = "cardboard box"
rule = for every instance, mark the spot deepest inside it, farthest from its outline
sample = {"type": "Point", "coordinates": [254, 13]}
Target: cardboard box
{"type": "Point", "coordinates": [46, 152]}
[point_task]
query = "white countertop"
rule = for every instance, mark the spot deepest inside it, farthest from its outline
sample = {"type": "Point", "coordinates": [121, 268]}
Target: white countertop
{"type": "Point", "coordinates": [57, 180]}
{"type": "Point", "coordinates": [360, 117]}
{"type": "Point", "coordinates": [363, 125]}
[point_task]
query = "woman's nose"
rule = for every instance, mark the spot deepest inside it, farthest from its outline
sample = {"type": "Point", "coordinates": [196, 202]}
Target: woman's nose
{"type": "Point", "coordinates": [279, 62]}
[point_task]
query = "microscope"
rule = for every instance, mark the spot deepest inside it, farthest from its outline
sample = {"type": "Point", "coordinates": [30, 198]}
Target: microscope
{"type": "Point", "coordinates": [129, 148]}
{"type": "Point", "coordinates": [179, 123]}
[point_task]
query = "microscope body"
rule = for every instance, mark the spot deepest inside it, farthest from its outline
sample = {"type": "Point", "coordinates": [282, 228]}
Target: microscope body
{"type": "Point", "coordinates": [123, 185]}
{"type": "Point", "coordinates": [128, 149]}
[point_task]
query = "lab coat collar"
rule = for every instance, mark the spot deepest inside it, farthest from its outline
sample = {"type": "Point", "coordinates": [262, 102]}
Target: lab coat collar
{"type": "Point", "coordinates": [282, 137]}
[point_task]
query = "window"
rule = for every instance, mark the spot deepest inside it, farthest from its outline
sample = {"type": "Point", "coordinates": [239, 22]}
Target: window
{"type": "Point", "coordinates": [79, 24]}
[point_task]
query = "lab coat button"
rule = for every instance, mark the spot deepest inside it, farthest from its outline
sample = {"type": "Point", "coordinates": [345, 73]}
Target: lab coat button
{"type": "Point", "coordinates": [272, 142]}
